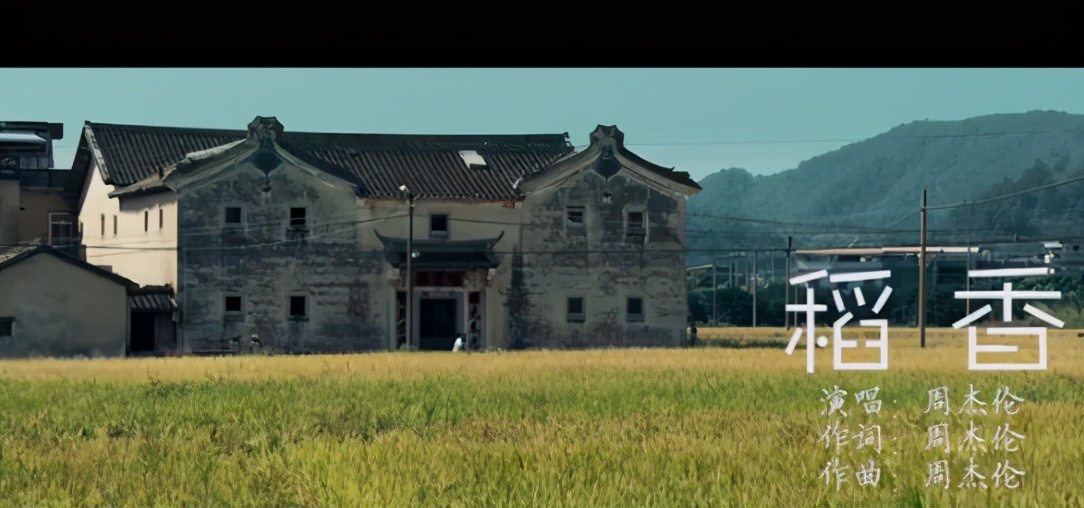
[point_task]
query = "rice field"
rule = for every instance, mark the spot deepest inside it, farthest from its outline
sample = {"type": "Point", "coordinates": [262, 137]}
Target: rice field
{"type": "Point", "coordinates": [735, 422]}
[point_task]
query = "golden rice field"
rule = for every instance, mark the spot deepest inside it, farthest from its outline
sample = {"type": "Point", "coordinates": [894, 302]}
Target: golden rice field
{"type": "Point", "coordinates": [712, 426]}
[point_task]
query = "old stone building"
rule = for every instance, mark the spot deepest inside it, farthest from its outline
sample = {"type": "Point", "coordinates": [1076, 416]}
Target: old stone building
{"type": "Point", "coordinates": [299, 240]}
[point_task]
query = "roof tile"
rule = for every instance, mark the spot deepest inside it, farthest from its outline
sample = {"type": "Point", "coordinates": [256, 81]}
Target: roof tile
{"type": "Point", "coordinates": [429, 164]}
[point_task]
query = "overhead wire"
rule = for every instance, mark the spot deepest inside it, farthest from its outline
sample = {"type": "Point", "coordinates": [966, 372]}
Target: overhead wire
{"type": "Point", "coordinates": [351, 223]}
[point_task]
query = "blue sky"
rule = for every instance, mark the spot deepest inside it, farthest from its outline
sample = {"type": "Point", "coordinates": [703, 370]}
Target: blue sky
{"type": "Point", "coordinates": [697, 120]}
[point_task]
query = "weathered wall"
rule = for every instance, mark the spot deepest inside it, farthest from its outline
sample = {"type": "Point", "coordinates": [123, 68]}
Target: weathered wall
{"type": "Point", "coordinates": [37, 204]}
{"type": "Point", "coordinates": [265, 264]}
{"type": "Point", "coordinates": [146, 255]}
{"type": "Point", "coordinates": [62, 310]}
{"type": "Point", "coordinates": [596, 263]}
{"type": "Point", "coordinates": [466, 221]}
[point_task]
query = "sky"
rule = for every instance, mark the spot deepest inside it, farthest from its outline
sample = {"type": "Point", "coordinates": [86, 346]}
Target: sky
{"type": "Point", "coordinates": [695, 120]}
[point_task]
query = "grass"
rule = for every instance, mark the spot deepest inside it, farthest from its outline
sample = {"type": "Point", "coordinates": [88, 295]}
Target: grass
{"type": "Point", "coordinates": [712, 426]}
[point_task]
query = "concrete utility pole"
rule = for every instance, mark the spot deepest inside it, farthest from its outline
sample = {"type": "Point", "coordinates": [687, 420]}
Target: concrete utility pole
{"type": "Point", "coordinates": [756, 277]}
{"type": "Point", "coordinates": [786, 284]}
{"type": "Point", "coordinates": [409, 268]}
{"type": "Point", "coordinates": [714, 291]}
{"type": "Point", "coordinates": [967, 280]}
{"type": "Point", "coordinates": [922, 278]}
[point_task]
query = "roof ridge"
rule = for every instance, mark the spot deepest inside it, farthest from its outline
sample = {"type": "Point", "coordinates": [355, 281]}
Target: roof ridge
{"type": "Point", "coordinates": [160, 127]}
{"type": "Point", "coordinates": [560, 136]}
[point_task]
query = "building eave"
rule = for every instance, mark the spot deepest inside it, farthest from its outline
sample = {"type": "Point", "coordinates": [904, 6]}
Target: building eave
{"type": "Point", "coordinates": [49, 250]}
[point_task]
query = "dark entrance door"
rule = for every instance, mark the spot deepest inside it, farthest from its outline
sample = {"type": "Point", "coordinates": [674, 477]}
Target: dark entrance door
{"type": "Point", "coordinates": [142, 333]}
{"type": "Point", "coordinates": [437, 327]}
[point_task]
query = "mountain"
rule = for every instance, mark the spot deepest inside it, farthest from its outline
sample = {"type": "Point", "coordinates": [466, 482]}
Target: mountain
{"type": "Point", "coordinates": [869, 193]}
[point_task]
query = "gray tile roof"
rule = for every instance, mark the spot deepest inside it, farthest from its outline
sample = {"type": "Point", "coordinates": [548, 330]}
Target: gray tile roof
{"type": "Point", "coordinates": [460, 254]}
{"type": "Point", "coordinates": [378, 163]}
{"type": "Point", "coordinates": [152, 298]}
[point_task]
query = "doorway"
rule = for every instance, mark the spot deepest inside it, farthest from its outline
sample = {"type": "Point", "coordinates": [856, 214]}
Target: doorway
{"type": "Point", "coordinates": [438, 324]}
{"type": "Point", "coordinates": [142, 333]}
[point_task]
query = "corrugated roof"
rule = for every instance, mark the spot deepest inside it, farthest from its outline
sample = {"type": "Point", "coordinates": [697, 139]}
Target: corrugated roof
{"type": "Point", "coordinates": [429, 164]}
{"type": "Point", "coordinates": [152, 302]}
{"type": "Point", "coordinates": [878, 251]}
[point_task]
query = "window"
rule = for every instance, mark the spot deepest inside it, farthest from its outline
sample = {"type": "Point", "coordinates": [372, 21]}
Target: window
{"type": "Point", "coordinates": [298, 307]}
{"type": "Point", "coordinates": [634, 309]}
{"type": "Point", "coordinates": [146, 221]}
{"type": "Point", "coordinates": [103, 225]}
{"type": "Point", "coordinates": [60, 229]}
{"type": "Point", "coordinates": [7, 327]}
{"type": "Point", "coordinates": [575, 309]}
{"type": "Point", "coordinates": [233, 304]}
{"type": "Point", "coordinates": [438, 225]}
{"type": "Point", "coordinates": [161, 218]}
{"type": "Point", "coordinates": [297, 217]}
{"type": "Point", "coordinates": [575, 215]}
{"type": "Point", "coordinates": [114, 225]}
{"type": "Point", "coordinates": [634, 226]}
{"type": "Point", "coordinates": [233, 215]}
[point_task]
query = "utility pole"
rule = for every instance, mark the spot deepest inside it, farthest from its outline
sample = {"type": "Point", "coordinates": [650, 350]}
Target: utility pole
{"type": "Point", "coordinates": [922, 278]}
{"type": "Point", "coordinates": [756, 279]}
{"type": "Point", "coordinates": [786, 284]}
{"type": "Point", "coordinates": [409, 269]}
{"type": "Point", "coordinates": [714, 291]}
{"type": "Point", "coordinates": [967, 280]}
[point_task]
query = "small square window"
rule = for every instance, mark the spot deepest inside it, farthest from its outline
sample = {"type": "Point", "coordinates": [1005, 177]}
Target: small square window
{"type": "Point", "coordinates": [576, 312]}
{"type": "Point", "coordinates": [438, 225]}
{"type": "Point", "coordinates": [297, 217]}
{"type": "Point", "coordinates": [233, 304]}
{"type": "Point", "coordinates": [298, 307]}
{"type": "Point", "coordinates": [7, 327]}
{"type": "Point", "coordinates": [634, 309]}
{"type": "Point", "coordinates": [233, 215]}
{"type": "Point", "coordinates": [575, 215]}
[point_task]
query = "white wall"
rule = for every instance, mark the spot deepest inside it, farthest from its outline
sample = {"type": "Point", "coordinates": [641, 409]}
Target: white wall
{"type": "Point", "coordinates": [148, 255]}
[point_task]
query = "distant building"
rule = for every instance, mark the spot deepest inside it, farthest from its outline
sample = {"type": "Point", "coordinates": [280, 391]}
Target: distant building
{"type": "Point", "coordinates": [299, 240]}
{"type": "Point", "coordinates": [34, 205]}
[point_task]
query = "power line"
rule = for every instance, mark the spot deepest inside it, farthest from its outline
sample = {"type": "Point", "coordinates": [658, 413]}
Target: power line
{"type": "Point", "coordinates": [631, 249]}
{"type": "Point", "coordinates": [334, 228]}
{"type": "Point", "coordinates": [838, 140]}
{"type": "Point", "coordinates": [196, 233]}
{"type": "Point", "coordinates": [1007, 196]}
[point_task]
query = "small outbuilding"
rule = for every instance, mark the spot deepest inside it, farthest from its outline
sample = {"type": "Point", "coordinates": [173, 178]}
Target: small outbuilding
{"type": "Point", "coordinates": [53, 304]}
